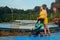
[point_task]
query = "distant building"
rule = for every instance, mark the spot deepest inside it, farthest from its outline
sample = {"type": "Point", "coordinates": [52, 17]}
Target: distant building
{"type": "Point", "coordinates": [56, 4]}
{"type": "Point", "coordinates": [57, 1]}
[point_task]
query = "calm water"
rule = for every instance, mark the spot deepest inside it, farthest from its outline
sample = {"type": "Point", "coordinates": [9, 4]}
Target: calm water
{"type": "Point", "coordinates": [28, 26]}
{"type": "Point", "coordinates": [7, 25]}
{"type": "Point", "coordinates": [23, 24]}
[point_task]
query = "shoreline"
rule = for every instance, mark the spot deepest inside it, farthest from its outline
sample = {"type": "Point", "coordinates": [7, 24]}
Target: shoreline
{"type": "Point", "coordinates": [19, 33]}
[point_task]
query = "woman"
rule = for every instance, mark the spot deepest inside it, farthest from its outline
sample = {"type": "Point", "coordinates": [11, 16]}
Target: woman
{"type": "Point", "coordinates": [43, 15]}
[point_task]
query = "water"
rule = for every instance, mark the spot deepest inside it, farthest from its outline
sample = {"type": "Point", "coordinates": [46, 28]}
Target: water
{"type": "Point", "coordinates": [24, 24]}
{"type": "Point", "coordinates": [7, 25]}
{"type": "Point", "coordinates": [21, 26]}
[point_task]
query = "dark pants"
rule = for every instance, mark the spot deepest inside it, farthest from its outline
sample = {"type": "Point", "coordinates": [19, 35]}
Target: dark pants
{"type": "Point", "coordinates": [42, 20]}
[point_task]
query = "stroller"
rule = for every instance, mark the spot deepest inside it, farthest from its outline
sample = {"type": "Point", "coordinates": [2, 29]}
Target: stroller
{"type": "Point", "coordinates": [38, 25]}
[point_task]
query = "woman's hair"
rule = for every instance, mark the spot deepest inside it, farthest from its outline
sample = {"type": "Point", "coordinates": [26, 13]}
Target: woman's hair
{"type": "Point", "coordinates": [41, 20]}
{"type": "Point", "coordinates": [44, 6]}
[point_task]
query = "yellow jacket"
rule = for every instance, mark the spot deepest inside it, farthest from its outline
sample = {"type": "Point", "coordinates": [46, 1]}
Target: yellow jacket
{"type": "Point", "coordinates": [43, 14]}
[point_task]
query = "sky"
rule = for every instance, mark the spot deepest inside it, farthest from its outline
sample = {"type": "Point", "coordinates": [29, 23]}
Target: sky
{"type": "Point", "coordinates": [25, 4]}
